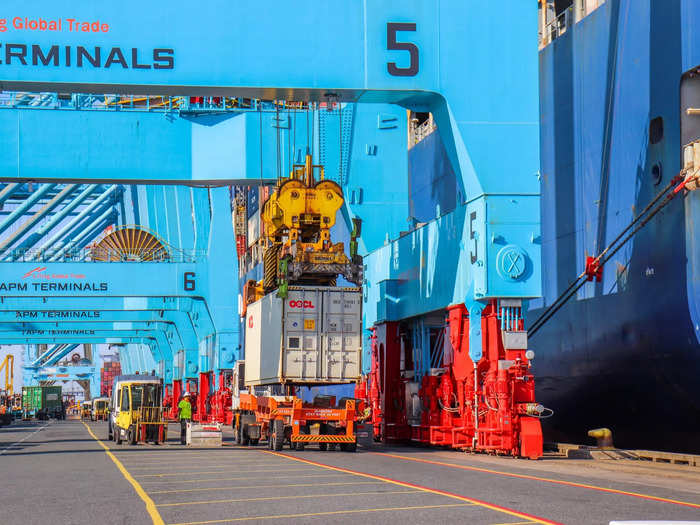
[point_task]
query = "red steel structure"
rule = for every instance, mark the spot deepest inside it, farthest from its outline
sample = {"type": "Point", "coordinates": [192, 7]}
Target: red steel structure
{"type": "Point", "coordinates": [209, 405]}
{"type": "Point", "coordinates": [487, 406]}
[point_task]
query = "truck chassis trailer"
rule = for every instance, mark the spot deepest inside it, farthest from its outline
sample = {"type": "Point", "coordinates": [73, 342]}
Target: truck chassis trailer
{"type": "Point", "coordinates": [285, 419]}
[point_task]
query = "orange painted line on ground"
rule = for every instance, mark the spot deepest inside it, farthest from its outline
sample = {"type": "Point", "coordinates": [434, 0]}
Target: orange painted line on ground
{"type": "Point", "coordinates": [545, 480]}
{"type": "Point", "coordinates": [491, 506]}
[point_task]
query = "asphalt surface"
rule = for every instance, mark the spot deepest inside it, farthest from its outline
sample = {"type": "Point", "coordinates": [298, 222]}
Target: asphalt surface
{"type": "Point", "coordinates": [60, 473]}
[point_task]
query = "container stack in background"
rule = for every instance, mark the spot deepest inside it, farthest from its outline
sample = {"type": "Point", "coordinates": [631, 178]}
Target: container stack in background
{"type": "Point", "coordinates": [42, 398]}
{"type": "Point", "coordinates": [246, 207]}
{"type": "Point", "coordinates": [31, 400]}
{"type": "Point", "coordinates": [109, 372]}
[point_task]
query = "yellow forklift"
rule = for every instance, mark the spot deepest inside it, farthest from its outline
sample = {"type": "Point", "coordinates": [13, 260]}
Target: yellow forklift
{"type": "Point", "coordinates": [136, 414]}
{"type": "Point", "coordinates": [86, 410]}
{"type": "Point", "coordinates": [99, 408]}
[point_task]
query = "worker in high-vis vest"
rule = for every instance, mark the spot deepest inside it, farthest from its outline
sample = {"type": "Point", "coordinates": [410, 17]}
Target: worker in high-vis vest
{"type": "Point", "coordinates": [184, 409]}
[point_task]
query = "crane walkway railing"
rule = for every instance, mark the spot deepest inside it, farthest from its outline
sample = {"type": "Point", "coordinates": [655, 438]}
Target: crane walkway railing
{"type": "Point", "coordinates": [104, 256]}
{"type": "Point", "coordinates": [142, 103]}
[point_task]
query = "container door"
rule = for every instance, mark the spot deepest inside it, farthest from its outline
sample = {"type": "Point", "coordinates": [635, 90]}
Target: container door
{"type": "Point", "coordinates": [302, 324]}
{"type": "Point", "coordinates": [36, 398]}
{"type": "Point", "coordinates": [342, 343]}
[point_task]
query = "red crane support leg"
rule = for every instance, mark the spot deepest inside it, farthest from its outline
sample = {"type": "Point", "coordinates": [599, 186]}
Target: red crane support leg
{"type": "Point", "coordinates": [177, 393]}
{"type": "Point", "coordinates": [488, 406]}
{"type": "Point", "coordinates": [191, 387]}
{"type": "Point", "coordinates": [220, 405]}
{"type": "Point", "coordinates": [202, 414]}
{"type": "Point", "coordinates": [391, 389]}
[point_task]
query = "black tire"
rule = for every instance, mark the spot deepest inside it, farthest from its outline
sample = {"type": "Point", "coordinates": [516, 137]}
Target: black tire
{"type": "Point", "coordinates": [245, 420]}
{"type": "Point", "coordinates": [300, 446]}
{"type": "Point", "coordinates": [118, 436]}
{"type": "Point", "coordinates": [132, 435]}
{"type": "Point", "coordinates": [254, 442]}
{"type": "Point", "coordinates": [277, 434]}
{"type": "Point", "coordinates": [323, 446]}
{"type": "Point", "coordinates": [348, 447]}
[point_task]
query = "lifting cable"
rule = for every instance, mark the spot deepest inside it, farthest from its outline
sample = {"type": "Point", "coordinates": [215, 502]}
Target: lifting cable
{"type": "Point", "coordinates": [597, 263]}
{"type": "Point", "coordinates": [261, 139]}
{"type": "Point", "coordinates": [293, 150]}
{"type": "Point", "coordinates": [288, 168]}
{"type": "Point", "coordinates": [279, 154]}
{"type": "Point", "coordinates": [313, 131]}
{"type": "Point", "coordinates": [308, 104]}
{"type": "Point", "coordinates": [340, 144]}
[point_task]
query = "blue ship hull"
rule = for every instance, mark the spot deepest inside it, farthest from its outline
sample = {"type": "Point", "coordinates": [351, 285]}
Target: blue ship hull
{"type": "Point", "coordinates": [623, 353]}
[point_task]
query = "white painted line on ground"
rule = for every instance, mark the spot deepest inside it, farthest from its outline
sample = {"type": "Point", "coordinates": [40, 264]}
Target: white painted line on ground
{"type": "Point", "coordinates": [23, 439]}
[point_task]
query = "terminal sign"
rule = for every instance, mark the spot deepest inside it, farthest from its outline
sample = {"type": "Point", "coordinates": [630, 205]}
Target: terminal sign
{"type": "Point", "coordinates": [58, 332]}
{"type": "Point", "coordinates": [15, 52]}
{"type": "Point", "coordinates": [57, 314]}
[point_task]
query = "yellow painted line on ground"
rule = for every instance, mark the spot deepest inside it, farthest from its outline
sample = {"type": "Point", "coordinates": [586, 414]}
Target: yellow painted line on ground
{"type": "Point", "coordinates": [199, 461]}
{"type": "Point", "coordinates": [484, 504]}
{"type": "Point", "coordinates": [150, 506]}
{"type": "Point", "coordinates": [213, 466]}
{"type": "Point", "coordinates": [188, 472]}
{"type": "Point", "coordinates": [327, 513]}
{"type": "Point", "coordinates": [181, 453]}
{"type": "Point", "coordinates": [249, 487]}
{"type": "Point", "coordinates": [545, 480]}
{"type": "Point", "coordinates": [225, 479]}
{"type": "Point", "coordinates": [275, 498]}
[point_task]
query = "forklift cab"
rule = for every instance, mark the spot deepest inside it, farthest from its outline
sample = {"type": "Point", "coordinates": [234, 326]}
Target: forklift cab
{"type": "Point", "coordinates": [137, 410]}
{"type": "Point", "coordinates": [99, 408]}
{"type": "Point", "coordinates": [86, 410]}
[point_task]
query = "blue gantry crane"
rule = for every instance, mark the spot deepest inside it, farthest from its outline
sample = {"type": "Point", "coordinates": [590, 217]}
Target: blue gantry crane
{"type": "Point", "coordinates": [482, 257]}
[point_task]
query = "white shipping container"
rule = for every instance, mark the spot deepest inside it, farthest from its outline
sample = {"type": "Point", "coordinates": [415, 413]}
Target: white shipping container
{"type": "Point", "coordinates": [312, 336]}
{"type": "Point", "coordinates": [254, 228]}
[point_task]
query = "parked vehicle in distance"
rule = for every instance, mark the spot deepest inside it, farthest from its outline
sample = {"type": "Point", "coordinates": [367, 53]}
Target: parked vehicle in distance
{"type": "Point", "coordinates": [100, 407]}
{"type": "Point", "coordinates": [136, 414]}
{"type": "Point", "coordinates": [86, 410]}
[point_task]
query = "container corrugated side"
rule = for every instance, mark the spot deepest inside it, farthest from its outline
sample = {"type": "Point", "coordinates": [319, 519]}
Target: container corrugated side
{"type": "Point", "coordinates": [311, 337]}
{"type": "Point", "coordinates": [51, 397]}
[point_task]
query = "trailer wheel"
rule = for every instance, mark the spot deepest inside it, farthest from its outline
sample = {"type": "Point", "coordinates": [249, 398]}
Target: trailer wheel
{"type": "Point", "coordinates": [118, 436]}
{"type": "Point", "coordinates": [348, 447]}
{"type": "Point", "coordinates": [299, 445]}
{"type": "Point", "coordinates": [323, 446]}
{"type": "Point", "coordinates": [277, 436]}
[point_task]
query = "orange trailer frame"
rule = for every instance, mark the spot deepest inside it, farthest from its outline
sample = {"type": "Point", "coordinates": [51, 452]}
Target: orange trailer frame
{"type": "Point", "coordinates": [295, 414]}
